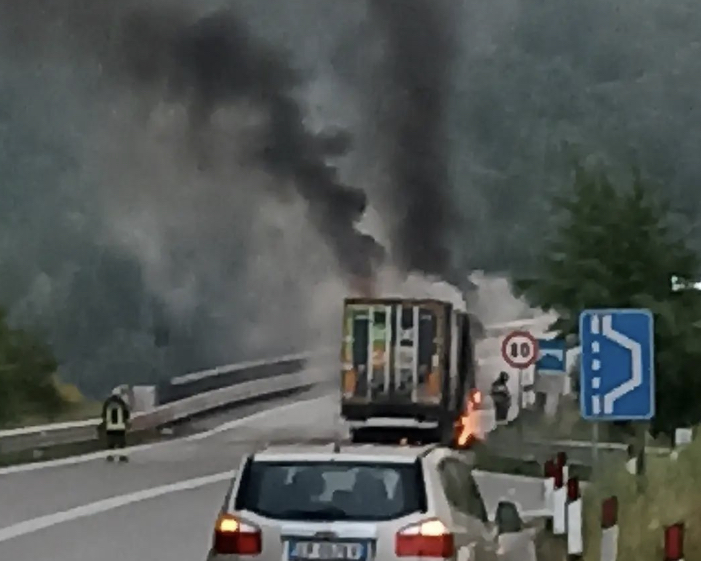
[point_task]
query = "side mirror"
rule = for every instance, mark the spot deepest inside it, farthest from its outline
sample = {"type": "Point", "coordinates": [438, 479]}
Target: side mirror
{"type": "Point", "coordinates": [508, 519]}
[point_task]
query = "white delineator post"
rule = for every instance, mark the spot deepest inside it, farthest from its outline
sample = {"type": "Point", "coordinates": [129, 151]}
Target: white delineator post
{"type": "Point", "coordinates": [559, 502]}
{"type": "Point", "coordinates": [609, 529]}
{"type": "Point", "coordinates": [575, 540]}
{"type": "Point", "coordinates": [632, 461]}
{"type": "Point", "coordinates": [548, 490]}
{"type": "Point", "coordinates": [674, 542]}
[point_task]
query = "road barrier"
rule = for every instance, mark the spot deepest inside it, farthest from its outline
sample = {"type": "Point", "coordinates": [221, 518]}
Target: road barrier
{"type": "Point", "coordinates": [192, 394]}
{"type": "Point", "coordinates": [244, 381]}
{"type": "Point", "coordinates": [579, 452]}
{"type": "Point", "coordinates": [575, 520]}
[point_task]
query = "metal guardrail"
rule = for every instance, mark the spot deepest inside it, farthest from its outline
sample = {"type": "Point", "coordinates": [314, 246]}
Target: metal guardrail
{"type": "Point", "coordinates": [578, 451]}
{"type": "Point", "coordinates": [191, 394]}
{"type": "Point", "coordinates": [270, 382]}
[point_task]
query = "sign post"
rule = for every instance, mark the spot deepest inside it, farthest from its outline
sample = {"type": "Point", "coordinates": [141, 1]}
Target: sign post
{"type": "Point", "coordinates": [551, 368]}
{"type": "Point", "coordinates": [617, 372]}
{"type": "Point", "coordinates": [519, 349]}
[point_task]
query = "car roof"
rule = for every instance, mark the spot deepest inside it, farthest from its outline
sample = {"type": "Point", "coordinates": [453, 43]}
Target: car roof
{"type": "Point", "coordinates": [345, 453]}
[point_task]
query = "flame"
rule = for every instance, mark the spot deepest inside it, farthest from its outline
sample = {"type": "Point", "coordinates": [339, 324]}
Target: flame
{"type": "Point", "coordinates": [467, 430]}
{"type": "Point", "coordinates": [465, 427]}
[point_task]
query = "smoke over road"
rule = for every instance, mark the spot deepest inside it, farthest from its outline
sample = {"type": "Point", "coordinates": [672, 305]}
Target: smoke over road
{"type": "Point", "coordinates": [215, 63]}
{"type": "Point", "coordinates": [419, 48]}
{"type": "Point", "coordinates": [194, 176]}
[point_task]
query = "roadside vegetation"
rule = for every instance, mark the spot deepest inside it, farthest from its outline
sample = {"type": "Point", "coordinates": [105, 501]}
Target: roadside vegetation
{"type": "Point", "coordinates": [30, 391]}
{"type": "Point", "coordinates": [616, 246]}
{"type": "Point", "coordinates": [670, 494]}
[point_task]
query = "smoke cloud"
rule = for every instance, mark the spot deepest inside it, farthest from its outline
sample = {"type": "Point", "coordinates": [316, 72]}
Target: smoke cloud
{"type": "Point", "coordinates": [418, 49]}
{"type": "Point", "coordinates": [215, 63]}
{"type": "Point", "coordinates": [186, 171]}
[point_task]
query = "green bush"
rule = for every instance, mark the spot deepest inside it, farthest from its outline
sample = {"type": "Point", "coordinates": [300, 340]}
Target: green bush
{"type": "Point", "coordinates": [27, 376]}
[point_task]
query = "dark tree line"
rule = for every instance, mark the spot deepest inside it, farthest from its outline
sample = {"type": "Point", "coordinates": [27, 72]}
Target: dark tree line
{"type": "Point", "coordinates": [615, 245]}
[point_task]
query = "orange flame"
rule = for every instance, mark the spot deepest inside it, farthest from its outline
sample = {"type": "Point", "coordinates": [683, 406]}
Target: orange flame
{"type": "Point", "coordinates": [466, 427]}
{"type": "Point", "coordinates": [466, 431]}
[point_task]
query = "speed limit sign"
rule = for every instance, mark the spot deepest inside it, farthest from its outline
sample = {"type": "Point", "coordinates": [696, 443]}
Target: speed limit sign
{"type": "Point", "coordinates": [519, 349]}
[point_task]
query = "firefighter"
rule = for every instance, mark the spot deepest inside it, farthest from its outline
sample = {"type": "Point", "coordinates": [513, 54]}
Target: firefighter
{"type": "Point", "coordinates": [115, 418]}
{"type": "Point", "coordinates": [501, 397]}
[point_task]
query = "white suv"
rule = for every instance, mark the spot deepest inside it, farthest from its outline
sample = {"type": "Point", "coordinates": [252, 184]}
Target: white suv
{"type": "Point", "coordinates": [355, 502]}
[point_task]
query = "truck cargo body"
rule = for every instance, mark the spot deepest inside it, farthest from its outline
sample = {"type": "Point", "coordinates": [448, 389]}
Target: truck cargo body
{"type": "Point", "coordinates": [405, 358]}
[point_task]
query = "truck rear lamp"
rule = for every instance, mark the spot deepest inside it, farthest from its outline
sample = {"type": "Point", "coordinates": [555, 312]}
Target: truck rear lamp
{"type": "Point", "coordinates": [429, 538]}
{"type": "Point", "coordinates": [433, 383]}
{"type": "Point", "coordinates": [233, 536]}
{"type": "Point", "coordinates": [350, 381]}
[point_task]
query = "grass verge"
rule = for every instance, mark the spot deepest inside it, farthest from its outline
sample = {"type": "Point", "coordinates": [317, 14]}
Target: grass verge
{"type": "Point", "coordinates": [671, 493]}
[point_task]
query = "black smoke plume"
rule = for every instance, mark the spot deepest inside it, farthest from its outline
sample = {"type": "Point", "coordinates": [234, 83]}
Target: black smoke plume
{"type": "Point", "coordinates": [215, 62]}
{"type": "Point", "coordinates": [418, 51]}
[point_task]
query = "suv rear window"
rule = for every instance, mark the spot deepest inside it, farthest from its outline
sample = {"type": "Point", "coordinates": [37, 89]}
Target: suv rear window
{"type": "Point", "coordinates": [327, 491]}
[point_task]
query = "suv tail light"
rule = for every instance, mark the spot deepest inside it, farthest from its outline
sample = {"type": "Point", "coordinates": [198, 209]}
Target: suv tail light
{"type": "Point", "coordinates": [235, 536]}
{"type": "Point", "coordinates": [429, 538]}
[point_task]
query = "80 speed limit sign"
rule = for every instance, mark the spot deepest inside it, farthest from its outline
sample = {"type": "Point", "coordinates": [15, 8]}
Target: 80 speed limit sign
{"type": "Point", "coordinates": [519, 349]}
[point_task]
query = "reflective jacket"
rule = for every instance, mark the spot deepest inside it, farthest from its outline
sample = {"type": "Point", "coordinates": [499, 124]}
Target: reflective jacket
{"type": "Point", "coordinates": [115, 414]}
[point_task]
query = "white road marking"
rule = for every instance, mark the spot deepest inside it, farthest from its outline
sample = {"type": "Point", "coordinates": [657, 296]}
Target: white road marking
{"type": "Point", "coordinates": [236, 423]}
{"type": "Point", "coordinates": [47, 521]}
{"type": "Point", "coordinates": [42, 522]}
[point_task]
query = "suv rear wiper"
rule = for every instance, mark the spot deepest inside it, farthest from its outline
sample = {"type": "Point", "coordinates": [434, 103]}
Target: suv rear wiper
{"type": "Point", "coordinates": [332, 513]}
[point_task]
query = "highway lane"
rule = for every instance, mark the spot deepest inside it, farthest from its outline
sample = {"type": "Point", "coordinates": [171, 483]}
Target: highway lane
{"type": "Point", "coordinates": [91, 510]}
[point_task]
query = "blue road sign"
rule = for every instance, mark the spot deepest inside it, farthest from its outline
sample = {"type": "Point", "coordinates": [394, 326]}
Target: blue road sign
{"type": "Point", "coordinates": [551, 356]}
{"type": "Point", "coordinates": [617, 371]}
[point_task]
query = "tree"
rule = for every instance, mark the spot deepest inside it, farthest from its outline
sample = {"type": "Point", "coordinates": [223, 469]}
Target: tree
{"type": "Point", "coordinates": [27, 382]}
{"type": "Point", "coordinates": [613, 246]}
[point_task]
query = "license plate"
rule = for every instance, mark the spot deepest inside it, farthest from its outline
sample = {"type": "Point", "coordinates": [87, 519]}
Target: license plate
{"type": "Point", "coordinates": [327, 551]}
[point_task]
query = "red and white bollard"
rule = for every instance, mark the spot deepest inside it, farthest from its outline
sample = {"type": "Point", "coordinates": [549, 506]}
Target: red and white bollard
{"type": "Point", "coordinates": [609, 529]}
{"type": "Point", "coordinates": [561, 460]}
{"type": "Point", "coordinates": [548, 490]}
{"type": "Point", "coordinates": [559, 501]}
{"type": "Point", "coordinates": [674, 542]}
{"type": "Point", "coordinates": [575, 539]}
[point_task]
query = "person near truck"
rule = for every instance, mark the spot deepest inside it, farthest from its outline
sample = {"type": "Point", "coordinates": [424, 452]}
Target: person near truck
{"type": "Point", "coordinates": [501, 396]}
{"type": "Point", "coordinates": [115, 418]}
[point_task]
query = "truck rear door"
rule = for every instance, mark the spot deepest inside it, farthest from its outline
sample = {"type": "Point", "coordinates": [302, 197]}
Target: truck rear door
{"type": "Point", "coordinates": [393, 352]}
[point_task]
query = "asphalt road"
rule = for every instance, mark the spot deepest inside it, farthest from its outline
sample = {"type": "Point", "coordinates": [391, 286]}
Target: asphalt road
{"type": "Point", "coordinates": [162, 504]}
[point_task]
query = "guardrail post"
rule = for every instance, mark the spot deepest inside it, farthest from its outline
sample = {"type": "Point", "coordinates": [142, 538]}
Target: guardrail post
{"type": "Point", "coordinates": [674, 542]}
{"type": "Point", "coordinates": [548, 490]}
{"type": "Point", "coordinates": [575, 544]}
{"type": "Point", "coordinates": [559, 500]}
{"type": "Point", "coordinates": [609, 529]}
